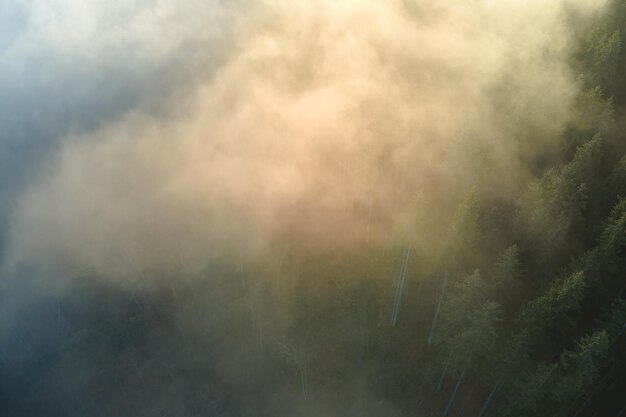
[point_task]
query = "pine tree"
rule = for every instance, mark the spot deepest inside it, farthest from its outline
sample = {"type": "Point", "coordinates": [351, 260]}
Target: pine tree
{"type": "Point", "coordinates": [603, 55]}
{"type": "Point", "coordinates": [462, 236]}
{"type": "Point", "coordinates": [552, 389]}
{"type": "Point", "coordinates": [557, 307]}
{"type": "Point", "coordinates": [457, 250]}
{"type": "Point", "coordinates": [596, 112]}
{"type": "Point", "coordinates": [529, 392]}
{"type": "Point", "coordinates": [505, 277]}
{"type": "Point", "coordinates": [617, 181]}
{"type": "Point", "coordinates": [604, 263]}
{"type": "Point", "coordinates": [580, 368]}
{"type": "Point", "coordinates": [614, 321]}
{"type": "Point", "coordinates": [613, 238]}
{"type": "Point", "coordinates": [556, 203]}
{"type": "Point", "coordinates": [514, 356]}
{"type": "Point", "coordinates": [465, 295]}
{"type": "Point", "coordinates": [583, 364]}
{"type": "Point", "coordinates": [472, 348]}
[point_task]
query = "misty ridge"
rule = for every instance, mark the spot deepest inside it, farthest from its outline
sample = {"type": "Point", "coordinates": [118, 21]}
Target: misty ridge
{"type": "Point", "coordinates": [312, 208]}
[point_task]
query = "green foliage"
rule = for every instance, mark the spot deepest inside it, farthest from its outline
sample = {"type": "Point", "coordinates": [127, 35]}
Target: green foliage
{"type": "Point", "coordinates": [614, 321]}
{"type": "Point", "coordinates": [597, 113]}
{"type": "Point", "coordinates": [558, 306]}
{"type": "Point", "coordinates": [579, 369]}
{"type": "Point", "coordinates": [617, 181]}
{"type": "Point", "coordinates": [515, 353]}
{"type": "Point", "coordinates": [583, 364]}
{"type": "Point", "coordinates": [529, 393]}
{"type": "Point", "coordinates": [506, 276]}
{"type": "Point", "coordinates": [507, 267]}
{"type": "Point", "coordinates": [550, 389]}
{"type": "Point", "coordinates": [460, 244]}
{"type": "Point", "coordinates": [465, 295]}
{"type": "Point", "coordinates": [604, 262]}
{"type": "Point", "coordinates": [557, 202]}
{"type": "Point", "coordinates": [473, 347]}
{"type": "Point", "coordinates": [603, 56]}
{"type": "Point", "coordinates": [613, 238]}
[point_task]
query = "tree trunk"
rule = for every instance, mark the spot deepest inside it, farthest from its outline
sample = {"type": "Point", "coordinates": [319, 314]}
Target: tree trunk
{"type": "Point", "coordinates": [399, 288]}
{"type": "Point", "coordinates": [456, 389]}
{"type": "Point", "coordinates": [443, 374]}
{"type": "Point", "coordinates": [495, 388]}
{"type": "Point", "coordinates": [303, 377]}
{"type": "Point", "coordinates": [434, 324]}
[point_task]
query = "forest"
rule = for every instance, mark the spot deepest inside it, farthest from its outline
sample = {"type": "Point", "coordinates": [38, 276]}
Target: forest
{"type": "Point", "coordinates": [481, 277]}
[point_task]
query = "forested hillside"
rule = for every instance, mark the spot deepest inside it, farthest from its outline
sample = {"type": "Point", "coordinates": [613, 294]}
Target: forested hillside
{"type": "Point", "coordinates": [515, 307]}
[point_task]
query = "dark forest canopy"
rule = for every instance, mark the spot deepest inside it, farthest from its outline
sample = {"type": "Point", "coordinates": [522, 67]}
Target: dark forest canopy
{"type": "Point", "coordinates": [515, 307]}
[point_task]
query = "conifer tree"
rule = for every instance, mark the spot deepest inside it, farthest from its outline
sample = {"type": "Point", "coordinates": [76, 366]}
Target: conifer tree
{"type": "Point", "coordinates": [505, 277]}
{"type": "Point", "coordinates": [472, 348]}
{"type": "Point", "coordinates": [555, 204]}
{"type": "Point", "coordinates": [557, 307]}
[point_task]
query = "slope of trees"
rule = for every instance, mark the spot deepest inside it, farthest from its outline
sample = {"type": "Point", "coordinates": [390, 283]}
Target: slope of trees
{"type": "Point", "coordinates": [520, 315]}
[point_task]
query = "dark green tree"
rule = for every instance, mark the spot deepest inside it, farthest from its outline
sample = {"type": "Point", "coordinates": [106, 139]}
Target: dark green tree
{"type": "Point", "coordinates": [555, 205]}
{"type": "Point", "coordinates": [506, 276]}
{"type": "Point", "coordinates": [557, 307]}
{"type": "Point", "coordinates": [473, 347]}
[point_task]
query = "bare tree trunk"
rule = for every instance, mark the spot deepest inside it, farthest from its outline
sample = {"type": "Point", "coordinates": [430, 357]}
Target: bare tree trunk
{"type": "Point", "coordinates": [304, 381]}
{"type": "Point", "coordinates": [400, 287]}
{"type": "Point", "coordinates": [437, 310]}
{"type": "Point", "coordinates": [495, 388]}
{"type": "Point", "coordinates": [443, 374]}
{"type": "Point", "coordinates": [456, 389]}
{"type": "Point", "coordinates": [582, 407]}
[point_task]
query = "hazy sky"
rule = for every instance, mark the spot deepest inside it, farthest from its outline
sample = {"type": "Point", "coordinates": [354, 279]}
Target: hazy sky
{"type": "Point", "coordinates": [138, 132]}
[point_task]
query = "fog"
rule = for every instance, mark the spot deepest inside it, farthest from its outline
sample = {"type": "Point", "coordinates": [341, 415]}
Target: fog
{"type": "Point", "coordinates": [187, 130]}
{"type": "Point", "coordinates": [157, 138]}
